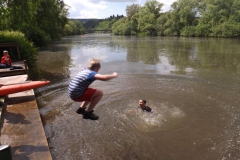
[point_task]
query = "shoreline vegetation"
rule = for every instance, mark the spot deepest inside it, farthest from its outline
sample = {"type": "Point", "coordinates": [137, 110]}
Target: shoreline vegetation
{"type": "Point", "coordinates": [34, 24]}
{"type": "Point", "coordinates": [190, 18]}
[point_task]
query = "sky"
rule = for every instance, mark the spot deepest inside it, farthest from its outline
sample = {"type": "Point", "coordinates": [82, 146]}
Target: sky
{"type": "Point", "coordinates": [101, 9]}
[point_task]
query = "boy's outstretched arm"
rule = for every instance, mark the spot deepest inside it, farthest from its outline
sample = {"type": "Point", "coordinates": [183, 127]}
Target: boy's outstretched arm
{"type": "Point", "coordinates": [106, 77]}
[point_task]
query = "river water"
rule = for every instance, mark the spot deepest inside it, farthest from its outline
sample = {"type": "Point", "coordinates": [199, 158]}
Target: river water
{"type": "Point", "coordinates": [192, 84]}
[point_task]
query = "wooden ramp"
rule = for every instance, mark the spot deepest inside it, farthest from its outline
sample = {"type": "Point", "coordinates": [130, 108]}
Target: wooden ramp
{"type": "Point", "coordinates": [22, 127]}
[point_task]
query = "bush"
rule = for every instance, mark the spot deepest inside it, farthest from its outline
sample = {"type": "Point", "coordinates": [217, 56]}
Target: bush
{"type": "Point", "coordinates": [36, 35]}
{"type": "Point", "coordinates": [188, 31]}
{"type": "Point", "coordinates": [68, 30]}
{"type": "Point", "coordinates": [118, 27]}
{"type": "Point", "coordinates": [171, 32]}
{"type": "Point", "coordinates": [127, 29]}
{"type": "Point", "coordinates": [203, 30]}
{"type": "Point", "coordinates": [226, 29]}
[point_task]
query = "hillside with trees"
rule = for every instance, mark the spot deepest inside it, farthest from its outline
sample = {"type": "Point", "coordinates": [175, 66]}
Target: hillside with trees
{"type": "Point", "coordinates": [101, 23]}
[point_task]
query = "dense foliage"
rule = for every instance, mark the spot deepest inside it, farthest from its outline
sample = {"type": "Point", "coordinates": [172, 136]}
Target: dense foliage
{"type": "Point", "coordinates": [219, 18]}
{"type": "Point", "coordinates": [73, 27]}
{"type": "Point", "coordinates": [40, 20]}
{"type": "Point", "coordinates": [106, 24]}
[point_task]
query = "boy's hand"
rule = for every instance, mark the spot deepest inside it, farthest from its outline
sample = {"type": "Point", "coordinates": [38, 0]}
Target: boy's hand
{"type": "Point", "coordinates": [115, 74]}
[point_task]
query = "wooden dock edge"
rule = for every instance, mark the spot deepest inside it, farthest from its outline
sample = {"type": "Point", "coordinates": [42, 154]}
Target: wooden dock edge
{"type": "Point", "coordinates": [21, 125]}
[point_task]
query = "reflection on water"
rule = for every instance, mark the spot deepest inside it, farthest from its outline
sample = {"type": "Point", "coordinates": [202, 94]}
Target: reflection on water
{"type": "Point", "coordinates": [192, 84]}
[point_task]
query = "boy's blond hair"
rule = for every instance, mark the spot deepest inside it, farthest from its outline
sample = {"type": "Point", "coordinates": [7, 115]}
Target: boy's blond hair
{"type": "Point", "coordinates": [94, 63]}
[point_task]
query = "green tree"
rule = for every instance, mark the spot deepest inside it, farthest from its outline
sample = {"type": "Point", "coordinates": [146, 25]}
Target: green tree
{"type": "Point", "coordinates": [73, 27]}
{"type": "Point", "coordinates": [160, 27]}
{"type": "Point", "coordinates": [148, 15]}
{"type": "Point", "coordinates": [147, 22]}
{"type": "Point", "coordinates": [79, 27]}
{"type": "Point", "coordinates": [91, 24]}
{"type": "Point", "coordinates": [4, 13]}
{"type": "Point", "coordinates": [18, 14]}
{"type": "Point", "coordinates": [68, 30]}
{"type": "Point", "coordinates": [132, 10]}
{"type": "Point", "coordinates": [52, 17]}
{"type": "Point", "coordinates": [118, 27]}
{"type": "Point", "coordinates": [106, 24]}
{"type": "Point", "coordinates": [39, 20]}
{"type": "Point", "coordinates": [173, 25]}
{"type": "Point", "coordinates": [182, 14]}
{"type": "Point", "coordinates": [154, 7]}
{"type": "Point", "coordinates": [188, 11]}
{"type": "Point", "coordinates": [134, 24]}
{"type": "Point", "coordinates": [227, 29]}
{"type": "Point", "coordinates": [221, 19]}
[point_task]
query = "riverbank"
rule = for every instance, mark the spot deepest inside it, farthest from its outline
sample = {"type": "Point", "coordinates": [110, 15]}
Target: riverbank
{"type": "Point", "coordinates": [21, 125]}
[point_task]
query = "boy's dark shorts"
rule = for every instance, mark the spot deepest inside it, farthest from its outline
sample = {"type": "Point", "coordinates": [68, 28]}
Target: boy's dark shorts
{"type": "Point", "coordinates": [87, 95]}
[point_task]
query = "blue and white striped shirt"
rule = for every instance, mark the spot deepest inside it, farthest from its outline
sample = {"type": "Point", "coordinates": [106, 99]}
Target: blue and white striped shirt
{"type": "Point", "coordinates": [80, 83]}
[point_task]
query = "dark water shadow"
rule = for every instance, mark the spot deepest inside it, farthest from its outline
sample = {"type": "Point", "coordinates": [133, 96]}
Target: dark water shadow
{"type": "Point", "coordinates": [22, 99]}
{"type": "Point", "coordinates": [15, 118]}
{"type": "Point", "coordinates": [25, 151]}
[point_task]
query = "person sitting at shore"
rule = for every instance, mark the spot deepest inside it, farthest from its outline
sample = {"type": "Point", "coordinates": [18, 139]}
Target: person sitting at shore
{"type": "Point", "coordinates": [6, 62]}
{"type": "Point", "coordinates": [142, 104]}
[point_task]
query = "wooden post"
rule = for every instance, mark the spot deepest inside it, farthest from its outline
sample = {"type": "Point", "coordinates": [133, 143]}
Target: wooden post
{"type": "Point", "coordinates": [19, 56]}
{"type": "Point", "coordinates": [26, 68]}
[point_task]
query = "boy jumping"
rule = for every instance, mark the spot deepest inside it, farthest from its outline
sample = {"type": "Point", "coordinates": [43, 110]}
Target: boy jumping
{"type": "Point", "coordinates": [79, 90]}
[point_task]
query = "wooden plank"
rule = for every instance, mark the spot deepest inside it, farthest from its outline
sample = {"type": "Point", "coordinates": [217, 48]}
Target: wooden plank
{"type": "Point", "coordinates": [13, 79]}
{"type": "Point", "coordinates": [8, 44]}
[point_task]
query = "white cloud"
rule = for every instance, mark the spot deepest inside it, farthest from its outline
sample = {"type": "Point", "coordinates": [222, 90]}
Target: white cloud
{"type": "Point", "coordinates": [85, 8]}
{"type": "Point", "coordinates": [131, 1]}
{"type": "Point", "coordinates": [166, 2]}
{"type": "Point", "coordinates": [100, 5]}
{"type": "Point", "coordinates": [88, 14]}
{"type": "Point", "coordinates": [86, 3]}
{"type": "Point", "coordinates": [104, 8]}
